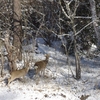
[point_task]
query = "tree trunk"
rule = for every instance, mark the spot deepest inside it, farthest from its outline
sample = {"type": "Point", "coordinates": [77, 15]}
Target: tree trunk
{"type": "Point", "coordinates": [78, 68]}
{"type": "Point", "coordinates": [2, 58]}
{"type": "Point", "coordinates": [77, 58]}
{"type": "Point", "coordinates": [11, 54]}
{"type": "Point", "coordinates": [95, 23]}
{"type": "Point", "coordinates": [17, 37]}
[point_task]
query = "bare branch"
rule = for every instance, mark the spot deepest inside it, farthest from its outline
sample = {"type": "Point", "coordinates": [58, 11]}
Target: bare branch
{"type": "Point", "coordinates": [82, 17]}
{"type": "Point", "coordinates": [84, 28]}
{"type": "Point", "coordinates": [64, 11]}
{"type": "Point", "coordinates": [76, 6]}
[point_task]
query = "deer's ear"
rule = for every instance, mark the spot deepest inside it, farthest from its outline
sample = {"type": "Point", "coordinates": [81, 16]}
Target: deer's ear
{"type": "Point", "coordinates": [47, 55]}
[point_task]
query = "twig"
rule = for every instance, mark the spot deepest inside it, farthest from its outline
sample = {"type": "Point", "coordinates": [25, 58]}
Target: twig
{"type": "Point", "coordinates": [84, 27]}
{"type": "Point", "coordinates": [82, 17]}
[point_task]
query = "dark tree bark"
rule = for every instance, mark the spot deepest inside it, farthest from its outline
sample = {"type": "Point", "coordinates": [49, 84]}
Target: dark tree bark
{"type": "Point", "coordinates": [77, 58]}
{"type": "Point", "coordinates": [1, 55]}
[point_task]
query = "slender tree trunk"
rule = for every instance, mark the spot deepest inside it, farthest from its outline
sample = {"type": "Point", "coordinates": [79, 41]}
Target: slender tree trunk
{"type": "Point", "coordinates": [17, 27]}
{"type": "Point", "coordinates": [78, 68]}
{"type": "Point", "coordinates": [2, 58]}
{"type": "Point", "coordinates": [77, 58]}
{"type": "Point", "coordinates": [95, 23]}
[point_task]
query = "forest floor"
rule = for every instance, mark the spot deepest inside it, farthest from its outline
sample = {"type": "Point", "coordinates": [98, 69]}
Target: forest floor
{"type": "Point", "coordinates": [58, 82]}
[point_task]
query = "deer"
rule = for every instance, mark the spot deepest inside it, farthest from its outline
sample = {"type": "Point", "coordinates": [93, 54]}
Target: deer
{"type": "Point", "coordinates": [19, 73]}
{"type": "Point", "coordinates": [41, 65]}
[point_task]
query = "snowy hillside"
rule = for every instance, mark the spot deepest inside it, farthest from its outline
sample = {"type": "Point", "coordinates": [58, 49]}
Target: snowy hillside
{"type": "Point", "coordinates": [58, 83]}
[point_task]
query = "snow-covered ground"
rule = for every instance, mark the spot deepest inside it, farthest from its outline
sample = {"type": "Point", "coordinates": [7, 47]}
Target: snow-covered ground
{"type": "Point", "coordinates": [58, 82]}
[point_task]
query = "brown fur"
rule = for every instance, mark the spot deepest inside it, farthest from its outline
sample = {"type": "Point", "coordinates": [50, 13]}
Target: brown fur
{"type": "Point", "coordinates": [17, 74]}
{"type": "Point", "coordinates": [41, 65]}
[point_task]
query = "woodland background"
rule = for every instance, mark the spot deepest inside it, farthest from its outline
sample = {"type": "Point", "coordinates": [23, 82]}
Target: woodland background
{"type": "Point", "coordinates": [67, 30]}
{"type": "Point", "coordinates": [70, 26]}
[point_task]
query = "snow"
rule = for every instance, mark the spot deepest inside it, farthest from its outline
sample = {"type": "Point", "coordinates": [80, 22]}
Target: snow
{"type": "Point", "coordinates": [58, 82]}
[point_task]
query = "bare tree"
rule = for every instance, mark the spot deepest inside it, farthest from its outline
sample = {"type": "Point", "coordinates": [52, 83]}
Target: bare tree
{"type": "Point", "coordinates": [71, 15]}
{"type": "Point", "coordinates": [17, 37]}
